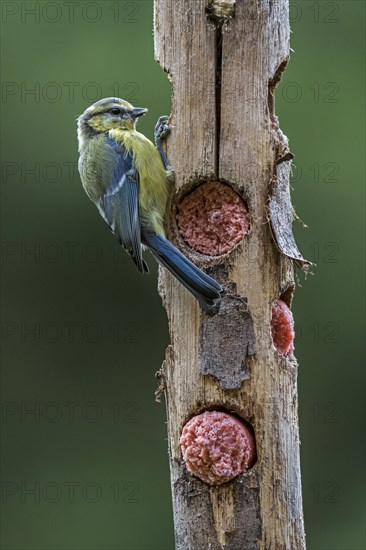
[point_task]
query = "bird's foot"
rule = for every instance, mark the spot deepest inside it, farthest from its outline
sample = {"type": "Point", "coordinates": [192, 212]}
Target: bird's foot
{"type": "Point", "coordinates": [162, 130]}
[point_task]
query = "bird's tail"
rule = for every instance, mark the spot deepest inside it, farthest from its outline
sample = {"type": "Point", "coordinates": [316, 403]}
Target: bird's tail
{"type": "Point", "coordinates": [205, 289]}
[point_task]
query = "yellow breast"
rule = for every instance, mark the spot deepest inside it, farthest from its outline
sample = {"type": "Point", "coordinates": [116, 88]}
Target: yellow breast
{"type": "Point", "coordinates": [153, 176]}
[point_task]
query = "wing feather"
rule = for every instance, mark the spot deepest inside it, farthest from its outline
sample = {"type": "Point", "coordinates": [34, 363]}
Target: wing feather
{"type": "Point", "coordinates": [120, 203]}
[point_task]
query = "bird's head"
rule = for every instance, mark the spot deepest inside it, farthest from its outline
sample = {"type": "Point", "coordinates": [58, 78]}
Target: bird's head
{"type": "Point", "coordinates": [108, 114]}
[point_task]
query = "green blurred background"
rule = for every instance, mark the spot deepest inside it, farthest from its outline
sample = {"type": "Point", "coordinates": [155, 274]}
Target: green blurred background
{"type": "Point", "coordinates": [84, 450]}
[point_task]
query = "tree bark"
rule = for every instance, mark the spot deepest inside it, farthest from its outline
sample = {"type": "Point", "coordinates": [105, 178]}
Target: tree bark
{"type": "Point", "coordinates": [224, 69]}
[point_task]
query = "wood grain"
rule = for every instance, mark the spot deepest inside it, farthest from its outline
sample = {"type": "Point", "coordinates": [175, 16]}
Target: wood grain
{"type": "Point", "coordinates": [224, 126]}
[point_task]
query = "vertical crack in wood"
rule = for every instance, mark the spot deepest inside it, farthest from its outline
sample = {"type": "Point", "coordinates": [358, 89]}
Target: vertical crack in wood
{"type": "Point", "coordinates": [218, 52]}
{"type": "Point", "coordinates": [224, 517]}
{"type": "Point", "coordinates": [219, 12]}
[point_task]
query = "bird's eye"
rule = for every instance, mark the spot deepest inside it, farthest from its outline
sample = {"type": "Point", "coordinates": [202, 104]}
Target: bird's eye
{"type": "Point", "coordinates": [115, 111]}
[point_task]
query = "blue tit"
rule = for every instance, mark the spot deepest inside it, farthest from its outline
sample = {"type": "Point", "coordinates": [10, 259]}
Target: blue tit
{"type": "Point", "coordinates": [128, 179]}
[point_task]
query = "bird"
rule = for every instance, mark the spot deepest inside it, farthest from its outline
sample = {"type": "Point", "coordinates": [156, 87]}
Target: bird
{"type": "Point", "coordinates": [129, 178]}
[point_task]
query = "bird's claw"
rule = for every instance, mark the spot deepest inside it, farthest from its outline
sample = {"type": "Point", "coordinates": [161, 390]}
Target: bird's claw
{"type": "Point", "coordinates": [162, 129]}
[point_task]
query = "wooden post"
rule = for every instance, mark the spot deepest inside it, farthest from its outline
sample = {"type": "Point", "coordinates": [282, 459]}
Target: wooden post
{"type": "Point", "coordinates": [224, 59]}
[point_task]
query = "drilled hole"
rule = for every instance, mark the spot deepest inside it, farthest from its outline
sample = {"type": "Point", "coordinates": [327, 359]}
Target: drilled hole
{"type": "Point", "coordinates": [212, 219]}
{"type": "Point", "coordinates": [282, 327]}
{"type": "Point", "coordinates": [217, 446]}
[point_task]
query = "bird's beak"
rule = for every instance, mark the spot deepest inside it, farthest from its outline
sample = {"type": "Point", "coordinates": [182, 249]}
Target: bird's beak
{"type": "Point", "coordinates": [138, 111]}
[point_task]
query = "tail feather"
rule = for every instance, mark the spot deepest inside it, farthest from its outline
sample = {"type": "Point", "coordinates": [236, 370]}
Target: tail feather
{"type": "Point", "coordinates": [205, 289]}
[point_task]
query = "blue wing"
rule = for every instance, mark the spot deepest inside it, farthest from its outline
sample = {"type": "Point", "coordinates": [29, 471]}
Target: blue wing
{"type": "Point", "coordinates": [120, 204]}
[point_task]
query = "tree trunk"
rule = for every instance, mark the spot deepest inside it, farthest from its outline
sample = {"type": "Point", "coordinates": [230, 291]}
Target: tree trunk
{"type": "Point", "coordinates": [224, 66]}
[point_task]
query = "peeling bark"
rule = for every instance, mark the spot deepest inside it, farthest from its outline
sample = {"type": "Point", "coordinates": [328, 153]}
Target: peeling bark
{"type": "Point", "coordinates": [281, 214]}
{"type": "Point", "coordinates": [226, 357]}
